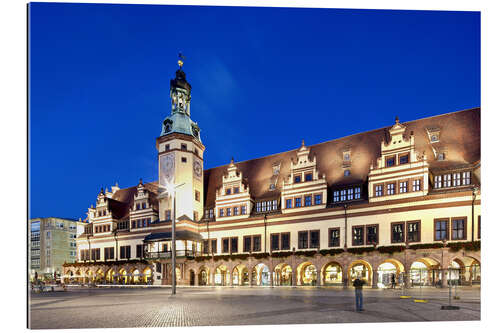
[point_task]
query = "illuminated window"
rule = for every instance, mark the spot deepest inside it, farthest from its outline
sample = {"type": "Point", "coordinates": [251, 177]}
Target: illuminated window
{"type": "Point", "coordinates": [372, 234]}
{"type": "Point", "coordinates": [357, 192]}
{"type": "Point", "coordinates": [466, 178]}
{"type": "Point", "coordinates": [403, 187]}
{"type": "Point", "coordinates": [378, 190]}
{"type": "Point", "coordinates": [343, 195]}
{"type": "Point", "coordinates": [336, 196]}
{"type": "Point", "coordinates": [413, 232]}
{"type": "Point", "coordinates": [357, 236]}
{"type": "Point", "coordinates": [397, 232]}
{"type": "Point", "coordinates": [334, 237]}
{"type": "Point", "coordinates": [318, 199]}
{"type": "Point", "coordinates": [390, 189]}
{"type": "Point", "coordinates": [350, 194]}
{"type": "Point", "coordinates": [416, 185]}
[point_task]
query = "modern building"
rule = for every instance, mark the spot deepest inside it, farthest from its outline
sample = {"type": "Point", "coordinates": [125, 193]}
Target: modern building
{"type": "Point", "coordinates": [52, 243]}
{"type": "Point", "coordinates": [402, 200]}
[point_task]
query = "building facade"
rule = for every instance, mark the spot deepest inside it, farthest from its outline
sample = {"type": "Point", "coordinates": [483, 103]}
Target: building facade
{"type": "Point", "coordinates": [52, 243]}
{"type": "Point", "coordinates": [402, 200]}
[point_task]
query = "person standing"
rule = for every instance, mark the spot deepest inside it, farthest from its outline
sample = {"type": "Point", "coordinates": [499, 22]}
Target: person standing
{"type": "Point", "coordinates": [358, 291]}
{"type": "Point", "coordinates": [393, 280]}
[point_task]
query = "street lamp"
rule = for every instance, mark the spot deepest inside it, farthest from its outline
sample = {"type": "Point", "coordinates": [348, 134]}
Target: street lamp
{"type": "Point", "coordinates": [171, 189]}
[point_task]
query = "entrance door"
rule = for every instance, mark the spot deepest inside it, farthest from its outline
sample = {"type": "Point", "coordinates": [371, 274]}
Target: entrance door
{"type": "Point", "coordinates": [191, 278]}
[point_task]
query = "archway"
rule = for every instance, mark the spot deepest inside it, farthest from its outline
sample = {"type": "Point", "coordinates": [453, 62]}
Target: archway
{"type": "Point", "coordinates": [307, 274]}
{"type": "Point", "coordinates": [261, 275]}
{"type": "Point", "coordinates": [203, 276]}
{"type": "Point", "coordinates": [123, 276]}
{"type": "Point", "coordinates": [78, 276]}
{"type": "Point", "coordinates": [89, 276]}
{"type": "Point", "coordinates": [475, 272]}
{"type": "Point", "coordinates": [362, 270]}
{"type": "Point", "coordinates": [99, 276]}
{"type": "Point", "coordinates": [110, 276]}
{"type": "Point", "coordinates": [283, 275]}
{"type": "Point", "coordinates": [332, 274]}
{"type": "Point", "coordinates": [389, 271]}
{"type": "Point", "coordinates": [456, 272]}
{"type": "Point", "coordinates": [425, 272]}
{"type": "Point", "coordinates": [147, 275]}
{"type": "Point", "coordinates": [136, 276]}
{"type": "Point", "coordinates": [221, 277]}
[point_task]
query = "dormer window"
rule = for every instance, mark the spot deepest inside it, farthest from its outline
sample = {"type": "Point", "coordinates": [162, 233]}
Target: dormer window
{"type": "Point", "coordinates": [272, 187]}
{"type": "Point", "coordinates": [389, 161]}
{"type": "Point", "coordinates": [297, 179]}
{"type": "Point", "coordinates": [440, 157]}
{"type": "Point", "coordinates": [403, 159]}
{"type": "Point", "coordinates": [236, 190]}
{"type": "Point", "coordinates": [347, 173]}
{"type": "Point", "coordinates": [347, 156]}
{"type": "Point", "coordinates": [434, 138]}
{"type": "Point", "coordinates": [309, 177]}
{"type": "Point", "coordinates": [143, 205]}
{"type": "Point", "coordinates": [137, 206]}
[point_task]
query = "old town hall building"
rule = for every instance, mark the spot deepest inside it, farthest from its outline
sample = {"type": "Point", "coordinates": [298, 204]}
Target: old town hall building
{"type": "Point", "coordinates": [402, 200]}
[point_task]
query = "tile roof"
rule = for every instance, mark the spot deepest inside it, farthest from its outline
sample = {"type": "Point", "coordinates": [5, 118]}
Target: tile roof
{"type": "Point", "coordinates": [459, 135]}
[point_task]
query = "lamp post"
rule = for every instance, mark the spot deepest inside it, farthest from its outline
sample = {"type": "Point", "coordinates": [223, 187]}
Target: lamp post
{"type": "Point", "coordinates": [474, 194]}
{"type": "Point", "coordinates": [171, 189]}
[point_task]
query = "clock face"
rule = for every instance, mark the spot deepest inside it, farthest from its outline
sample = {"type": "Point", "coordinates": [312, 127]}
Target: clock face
{"type": "Point", "coordinates": [166, 169]}
{"type": "Point", "coordinates": [197, 168]}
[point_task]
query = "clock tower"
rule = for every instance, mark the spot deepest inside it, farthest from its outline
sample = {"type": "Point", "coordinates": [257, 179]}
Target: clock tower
{"type": "Point", "coordinates": [180, 155]}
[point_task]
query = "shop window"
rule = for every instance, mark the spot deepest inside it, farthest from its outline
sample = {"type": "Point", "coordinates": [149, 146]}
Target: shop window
{"type": "Point", "coordinates": [441, 229]}
{"type": "Point", "coordinates": [397, 232]}
{"type": "Point", "coordinates": [358, 236]}
{"type": "Point", "coordinates": [458, 228]}
{"type": "Point", "coordinates": [303, 240]}
{"type": "Point", "coordinates": [334, 237]}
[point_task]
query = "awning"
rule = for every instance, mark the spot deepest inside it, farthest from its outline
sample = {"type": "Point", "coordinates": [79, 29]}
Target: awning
{"type": "Point", "coordinates": [167, 236]}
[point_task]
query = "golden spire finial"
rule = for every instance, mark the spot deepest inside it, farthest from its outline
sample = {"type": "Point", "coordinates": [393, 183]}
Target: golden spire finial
{"type": "Point", "coordinates": [180, 62]}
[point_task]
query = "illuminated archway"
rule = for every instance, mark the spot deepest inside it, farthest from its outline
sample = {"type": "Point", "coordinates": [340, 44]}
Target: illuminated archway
{"type": "Point", "coordinates": [136, 276]}
{"type": "Point", "coordinates": [78, 276]}
{"type": "Point", "coordinates": [240, 275]}
{"type": "Point", "coordinates": [425, 272]}
{"type": "Point", "coordinates": [89, 278]}
{"type": "Point", "coordinates": [221, 277]}
{"type": "Point", "coordinates": [475, 272]}
{"type": "Point", "coordinates": [307, 274]}
{"type": "Point", "coordinates": [389, 271]}
{"type": "Point", "coordinates": [261, 275]}
{"type": "Point", "coordinates": [110, 275]}
{"type": "Point", "coordinates": [456, 272]}
{"type": "Point", "coordinates": [99, 276]}
{"type": "Point", "coordinates": [147, 275]}
{"type": "Point", "coordinates": [283, 275]}
{"type": "Point", "coordinates": [332, 274]}
{"type": "Point", "coordinates": [361, 269]}
{"type": "Point", "coordinates": [123, 276]}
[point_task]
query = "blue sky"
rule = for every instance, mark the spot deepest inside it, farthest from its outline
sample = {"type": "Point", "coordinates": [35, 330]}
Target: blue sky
{"type": "Point", "coordinates": [263, 79]}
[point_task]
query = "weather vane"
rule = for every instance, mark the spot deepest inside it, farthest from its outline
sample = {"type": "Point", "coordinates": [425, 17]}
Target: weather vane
{"type": "Point", "coordinates": [181, 58]}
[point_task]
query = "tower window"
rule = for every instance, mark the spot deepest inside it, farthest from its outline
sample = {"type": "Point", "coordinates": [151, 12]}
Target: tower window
{"type": "Point", "coordinates": [440, 157]}
{"type": "Point", "coordinates": [167, 147]}
{"type": "Point", "coordinates": [197, 195]}
{"type": "Point", "coordinates": [347, 173]}
{"type": "Point", "coordinates": [183, 160]}
{"type": "Point", "coordinates": [183, 146]}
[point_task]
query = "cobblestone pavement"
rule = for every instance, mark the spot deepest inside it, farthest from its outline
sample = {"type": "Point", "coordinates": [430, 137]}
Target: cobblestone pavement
{"type": "Point", "coordinates": [205, 306]}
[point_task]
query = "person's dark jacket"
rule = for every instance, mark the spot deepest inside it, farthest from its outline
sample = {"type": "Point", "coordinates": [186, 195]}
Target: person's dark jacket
{"type": "Point", "coordinates": [358, 283]}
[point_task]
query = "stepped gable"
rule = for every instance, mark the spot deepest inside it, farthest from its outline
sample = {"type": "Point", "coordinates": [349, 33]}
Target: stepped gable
{"type": "Point", "coordinates": [460, 137]}
{"type": "Point", "coordinates": [123, 199]}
